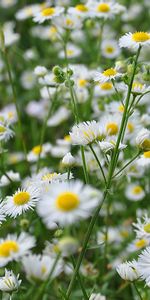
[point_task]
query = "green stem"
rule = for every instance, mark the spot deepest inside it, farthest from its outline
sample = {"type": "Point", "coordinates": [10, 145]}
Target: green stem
{"type": "Point", "coordinates": [80, 280]}
{"type": "Point", "coordinates": [100, 166]}
{"type": "Point", "coordinates": [126, 165]}
{"type": "Point", "coordinates": [137, 291]}
{"type": "Point", "coordinates": [86, 176]}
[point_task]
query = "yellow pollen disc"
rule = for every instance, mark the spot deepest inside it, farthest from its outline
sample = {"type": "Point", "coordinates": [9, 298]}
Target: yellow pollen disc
{"type": "Point", "coordinates": [29, 11]}
{"type": "Point", "coordinates": [2, 119]}
{"type": "Point", "coordinates": [110, 72]}
{"type": "Point", "coordinates": [141, 243]}
{"type": "Point", "coordinates": [137, 85]}
{"type": "Point", "coordinates": [70, 52]}
{"type": "Point", "coordinates": [43, 269]}
{"type": "Point", "coordinates": [106, 86]}
{"type": "Point", "coordinates": [7, 247]}
{"type": "Point", "coordinates": [147, 154]}
{"type": "Point", "coordinates": [67, 138]}
{"type": "Point", "coordinates": [112, 128]}
{"type": "Point", "coordinates": [53, 30]}
{"type": "Point", "coordinates": [2, 129]}
{"type": "Point", "coordinates": [130, 127]}
{"type": "Point", "coordinates": [146, 144]}
{"type": "Point", "coordinates": [49, 176]}
{"type": "Point", "coordinates": [121, 108]}
{"type": "Point", "coordinates": [48, 11]}
{"type": "Point", "coordinates": [10, 115]}
{"type": "Point", "coordinates": [103, 7]}
{"type": "Point", "coordinates": [81, 7]}
{"type": "Point", "coordinates": [37, 150]}
{"type": "Point", "coordinates": [147, 228]}
{"type": "Point", "coordinates": [137, 190]}
{"type": "Point", "coordinates": [82, 82]}
{"type": "Point", "coordinates": [69, 22]}
{"type": "Point", "coordinates": [67, 201]}
{"type": "Point", "coordinates": [140, 37]}
{"type": "Point", "coordinates": [124, 233]}
{"type": "Point", "coordinates": [21, 198]}
{"type": "Point", "coordinates": [109, 49]}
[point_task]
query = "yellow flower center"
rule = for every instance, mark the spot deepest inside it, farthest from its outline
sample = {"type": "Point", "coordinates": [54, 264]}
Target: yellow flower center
{"type": "Point", "coordinates": [141, 243]}
{"type": "Point", "coordinates": [7, 247]}
{"type": "Point", "coordinates": [37, 150]}
{"type": "Point", "coordinates": [147, 228]}
{"type": "Point", "coordinates": [110, 72]}
{"type": "Point", "coordinates": [53, 30]}
{"type": "Point", "coordinates": [67, 201]}
{"type": "Point", "coordinates": [147, 154]}
{"type": "Point", "coordinates": [10, 115]}
{"type": "Point", "coordinates": [103, 7]}
{"type": "Point", "coordinates": [69, 22]}
{"type": "Point", "coordinates": [140, 37]}
{"type": "Point", "coordinates": [121, 108]}
{"type": "Point", "coordinates": [137, 190]}
{"type": "Point", "coordinates": [49, 176]}
{"type": "Point", "coordinates": [137, 85]}
{"type": "Point", "coordinates": [130, 127]}
{"type": "Point", "coordinates": [110, 49]}
{"type": "Point", "coordinates": [2, 129]}
{"type": "Point", "coordinates": [82, 82]}
{"type": "Point", "coordinates": [112, 128]}
{"type": "Point", "coordinates": [81, 7]}
{"type": "Point", "coordinates": [43, 269]}
{"type": "Point", "coordinates": [146, 144]}
{"type": "Point", "coordinates": [67, 138]}
{"type": "Point", "coordinates": [106, 86]}
{"type": "Point", "coordinates": [70, 52]}
{"type": "Point", "coordinates": [21, 198]}
{"type": "Point", "coordinates": [47, 12]}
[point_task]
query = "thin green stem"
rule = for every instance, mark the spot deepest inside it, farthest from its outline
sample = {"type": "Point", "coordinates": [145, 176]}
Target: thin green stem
{"type": "Point", "coordinates": [80, 280]}
{"type": "Point", "coordinates": [127, 164]}
{"type": "Point", "coordinates": [99, 164]}
{"type": "Point", "coordinates": [137, 291]}
{"type": "Point", "coordinates": [86, 176]}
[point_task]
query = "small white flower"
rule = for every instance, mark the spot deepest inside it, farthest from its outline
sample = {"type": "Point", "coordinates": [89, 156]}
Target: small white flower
{"type": "Point", "coordinates": [40, 71]}
{"type": "Point", "coordinates": [4, 180]}
{"type": "Point", "coordinates": [135, 192]}
{"type": "Point", "coordinates": [48, 14]}
{"type": "Point", "coordinates": [128, 270]}
{"type": "Point", "coordinates": [68, 160]}
{"type": "Point", "coordinates": [110, 49]}
{"type": "Point", "coordinates": [67, 246]}
{"type": "Point", "coordinates": [85, 133]}
{"type": "Point", "coordinates": [143, 139]}
{"type": "Point", "coordinates": [144, 160]}
{"type": "Point", "coordinates": [97, 297]}
{"type": "Point", "coordinates": [133, 40]}
{"type": "Point", "coordinates": [21, 201]}
{"type": "Point", "coordinates": [5, 133]}
{"type": "Point", "coordinates": [144, 265]}
{"type": "Point", "coordinates": [9, 282]}
{"type": "Point", "coordinates": [107, 75]}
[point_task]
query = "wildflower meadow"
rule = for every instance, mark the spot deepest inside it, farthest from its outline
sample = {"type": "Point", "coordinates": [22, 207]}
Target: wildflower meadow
{"type": "Point", "coordinates": [74, 150]}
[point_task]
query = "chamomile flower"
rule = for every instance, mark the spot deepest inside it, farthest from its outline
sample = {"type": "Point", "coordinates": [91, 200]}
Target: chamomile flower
{"type": "Point", "coordinates": [68, 160]}
{"type": "Point", "coordinates": [142, 227]}
{"type": "Point", "coordinates": [27, 12]}
{"type": "Point", "coordinates": [144, 160]}
{"type": "Point", "coordinates": [13, 247]}
{"type": "Point", "coordinates": [9, 282]}
{"type": "Point", "coordinates": [134, 40]}
{"type": "Point", "coordinates": [48, 13]}
{"type": "Point", "coordinates": [144, 265]}
{"type": "Point", "coordinates": [66, 203]}
{"type": "Point", "coordinates": [128, 270]}
{"type": "Point", "coordinates": [38, 267]}
{"type": "Point", "coordinates": [81, 10]}
{"type": "Point", "coordinates": [10, 175]}
{"type": "Point", "coordinates": [110, 144]}
{"type": "Point", "coordinates": [68, 21]}
{"type": "Point", "coordinates": [35, 152]}
{"type": "Point", "coordinates": [110, 124]}
{"type": "Point", "coordinates": [85, 133]}
{"type": "Point", "coordinates": [105, 8]}
{"type": "Point", "coordinates": [5, 133]}
{"type": "Point", "coordinates": [21, 201]}
{"type": "Point", "coordinates": [110, 49]}
{"type": "Point", "coordinates": [71, 51]}
{"type": "Point", "coordinates": [134, 192]}
{"type": "Point", "coordinates": [143, 139]}
{"type": "Point", "coordinates": [107, 75]}
{"type": "Point", "coordinates": [104, 89]}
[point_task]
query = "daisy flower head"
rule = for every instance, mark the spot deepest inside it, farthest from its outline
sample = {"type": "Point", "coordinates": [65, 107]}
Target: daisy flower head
{"type": "Point", "coordinates": [13, 247]}
{"type": "Point", "coordinates": [85, 133]}
{"type": "Point", "coordinates": [21, 201]}
{"type": "Point", "coordinates": [134, 40]}
{"type": "Point", "coordinates": [38, 267]}
{"type": "Point", "coordinates": [144, 265]}
{"type": "Point", "coordinates": [104, 89]}
{"type": "Point", "coordinates": [81, 10]}
{"type": "Point", "coordinates": [5, 133]}
{"type": "Point", "coordinates": [110, 49]}
{"type": "Point", "coordinates": [107, 75]}
{"type": "Point", "coordinates": [48, 13]}
{"type": "Point", "coordinates": [67, 202]}
{"type": "Point", "coordinates": [128, 270]}
{"type": "Point", "coordinates": [110, 125]}
{"type": "Point", "coordinates": [142, 227]}
{"type": "Point", "coordinates": [106, 9]}
{"type": "Point", "coordinates": [9, 282]}
{"type": "Point", "coordinates": [71, 51]}
{"type": "Point", "coordinates": [35, 152]}
{"type": "Point", "coordinates": [144, 160]}
{"type": "Point", "coordinates": [69, 21]}
{"type": "Point", "coordinates": [143, 139]}
{"type": "Point", "coordinates": [134, 192]}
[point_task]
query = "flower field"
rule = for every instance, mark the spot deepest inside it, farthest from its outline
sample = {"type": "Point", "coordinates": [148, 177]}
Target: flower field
{"type": "Point", "coordinates": [74, 150]}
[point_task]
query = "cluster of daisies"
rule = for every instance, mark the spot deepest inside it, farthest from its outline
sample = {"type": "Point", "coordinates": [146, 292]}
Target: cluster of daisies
{"type": "Point", "coordinates": [71, 78]}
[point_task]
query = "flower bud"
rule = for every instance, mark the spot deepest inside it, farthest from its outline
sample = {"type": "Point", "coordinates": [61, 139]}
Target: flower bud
{"type": "Point", "coordinates": [68, 246]}
{"type": "Point", "coordinates": [40, 71]}
{"type": "Point", "coordinates": [68, 160]}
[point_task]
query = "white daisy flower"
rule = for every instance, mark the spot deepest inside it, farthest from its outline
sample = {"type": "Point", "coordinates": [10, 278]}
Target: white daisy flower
{"type": "Point", "coordinates": [105, 9]}
{"type": "Point", "coordinates": [21, 201]}
{"type": "Point", "coordinates": [138, 244]}
{"type": "Point", "coordinates": [85, 133]}
{"type": "Point", "coordinates": [108, 146]}
{"type": "Point", "coordinates": [139, 88]}
{"type": "Point", "coordinates": [110, 49]}
{"type": "Point", "coordinates": [81, 10]}
{"type": "Point", "coordinates": [9, 282]}
{"type": "Point", "coordinates": [128, 270]}
{"type": "Point", "coordinates": [144, 265]}
{"type": "Point", "coordinates": [71, 51]}
{"type": "Point", "coordinates": [134, 40]}
{"type": "Point", "coordinates": [107, 75]}
{"type": "Point", "coordinates": [5, 133]}
{"type": "Point", "coordinates": [104, 89]}
{"type": "Point", "coordinates": [144, 160]}
{"type": "Point", "coordinates": [110, 124]}
{"type": "Point", "coordinates": [143, 139]}
{"type": "Point", "coordinates": [4, 180]}
{"type": "Point", "coordinates": [13, 247]}
{"type": "Point", "coordinates": [68, 160]}
{"type": "Point", "coordinates": [27, 12]}
{"type": "Point", "coordinates": [40, 71]}
{"type": "Point", "coordinates": [142, 227]}
{"type": "Point", "coordinates": [38, 267]}
{"type": "Point", "coordinates": [134, 192]}
{"type": "Point", "coordinates": [67, 202]}
{"type": "Point", "coordinates": [48, 14]}
{"type": "Point", "coordinates": [68, 21]}
{"type": "Point", "coordinates": [33, 155]}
